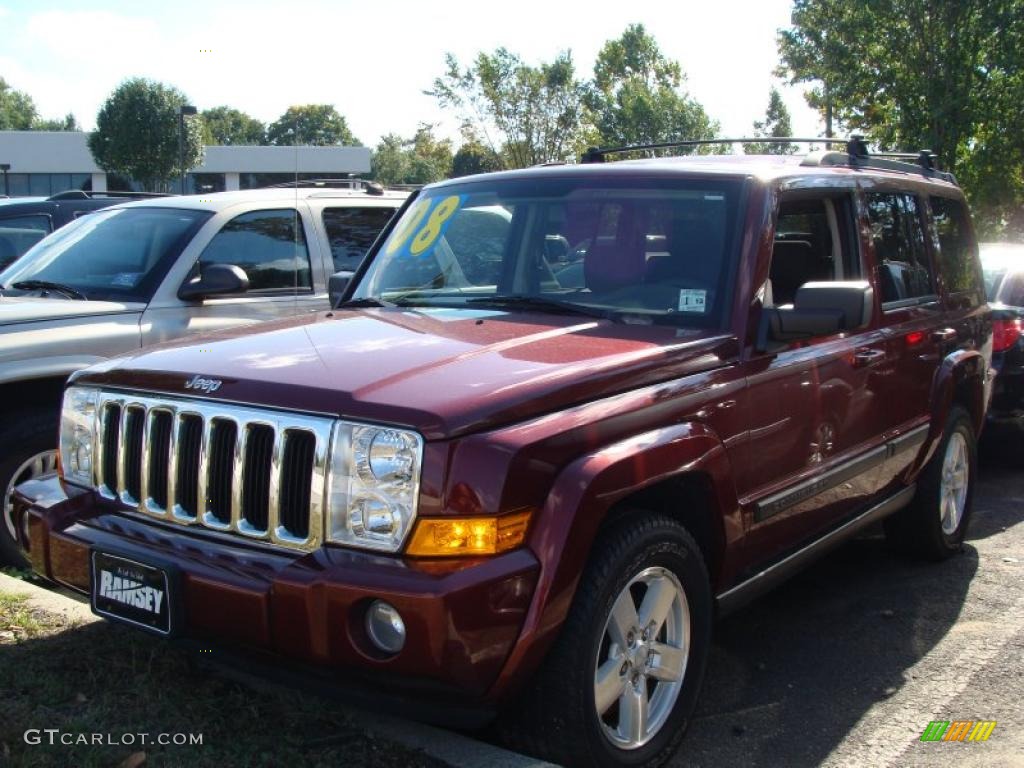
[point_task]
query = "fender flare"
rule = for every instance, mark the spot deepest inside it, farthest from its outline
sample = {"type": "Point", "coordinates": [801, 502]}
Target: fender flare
{"type": "Point", "coordinates": [564, 529]}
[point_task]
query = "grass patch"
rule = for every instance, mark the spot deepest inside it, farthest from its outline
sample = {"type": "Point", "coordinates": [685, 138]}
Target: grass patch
{"type": "Point", "coordinates": [106, 679]}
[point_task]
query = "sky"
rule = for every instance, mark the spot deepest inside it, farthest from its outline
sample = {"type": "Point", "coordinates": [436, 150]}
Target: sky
{"type": "Point", "coordinates": [371, 59]}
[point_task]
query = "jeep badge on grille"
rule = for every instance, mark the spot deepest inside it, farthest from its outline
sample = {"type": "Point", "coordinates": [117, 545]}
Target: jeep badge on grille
{"type": "Point", "coordinates": [203, 385]}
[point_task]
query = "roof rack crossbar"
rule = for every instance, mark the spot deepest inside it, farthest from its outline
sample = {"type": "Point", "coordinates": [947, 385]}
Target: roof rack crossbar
{"type": "Point", "coordinates": [596, 154]}
{"type": "Point", "coordinates": [83, 194]}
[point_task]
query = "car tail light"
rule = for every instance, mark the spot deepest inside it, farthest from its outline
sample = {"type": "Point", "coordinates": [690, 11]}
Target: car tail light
{"type": "Point", "coordinates": [1005, 333]}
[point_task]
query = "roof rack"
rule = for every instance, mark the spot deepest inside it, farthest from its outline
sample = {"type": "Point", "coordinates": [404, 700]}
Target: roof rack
{"type": "Point", "coordinates": [81, 194]}
{"type": "Point", "coordinates": [367, 185]}
{"type": "Point", "coordinates": [855, 156]}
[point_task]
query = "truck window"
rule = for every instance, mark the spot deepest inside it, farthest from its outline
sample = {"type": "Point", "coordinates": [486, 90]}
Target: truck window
{"type": "Point", "coordinates": [351, 232]}
{"type": "Point", "coordinates": [904, 273]}
{"type": "Point", "coordinates": [957, 249]}
{"type": "Point", "coordinates": [269, 245]}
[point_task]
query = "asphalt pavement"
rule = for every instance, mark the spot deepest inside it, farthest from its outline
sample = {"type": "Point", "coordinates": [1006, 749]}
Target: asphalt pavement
{"type": "Point", "coordinates": [848, 663]}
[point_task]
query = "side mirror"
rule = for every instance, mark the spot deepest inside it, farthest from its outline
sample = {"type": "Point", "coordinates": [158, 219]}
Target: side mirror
{"type": "Point", "coordinates": [818, 309]}
{"type": "Point", "coordinates": [214, 280]}
{"type": "Point", "coordinates": [337, 284]}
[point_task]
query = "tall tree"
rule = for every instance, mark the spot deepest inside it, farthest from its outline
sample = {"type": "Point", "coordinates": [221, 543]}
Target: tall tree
{"type": "Point", "coordinates": [319, 125]}
{"type": "Point", "coordinates": [226, 125]}
{"type": "Point", "coordinates": [66, 123]}
{"type": "Point", "coordinates": [526, 114]}
{"type": "Point", "coordinates": [939, 74]}
{"type": "Point", "coordinates": [776, 123]}
{"type": "Point", "coordinates": [137, 133]}
{"type": "Point", "coordinates": [637, 95]}
{"type": "Point", "coordinates": [420, 160]}
{"type": "Point", "coordinates": [17, 110]}
{"type": "Point", "coordinates": [474, 157]}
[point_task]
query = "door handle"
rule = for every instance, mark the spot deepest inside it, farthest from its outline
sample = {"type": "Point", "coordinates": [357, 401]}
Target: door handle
{"type": "Point", "coordinates": [945, 336]}
{"type": "Point", "coordinates": [862, 358]}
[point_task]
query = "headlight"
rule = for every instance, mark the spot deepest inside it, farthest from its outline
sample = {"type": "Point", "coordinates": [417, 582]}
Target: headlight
{"type": "Point", "coordinates": [77, 434]}
{"type": "Point", "coordinates": [374, 484]}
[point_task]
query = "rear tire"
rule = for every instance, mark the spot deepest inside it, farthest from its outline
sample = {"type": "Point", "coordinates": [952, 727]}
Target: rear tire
{"type": "Point", "coordinates": [621, 682]}
{"type": "Point", "coordinates": [935, 523]}
{"type": "Point", "coordinates": [28, 446]}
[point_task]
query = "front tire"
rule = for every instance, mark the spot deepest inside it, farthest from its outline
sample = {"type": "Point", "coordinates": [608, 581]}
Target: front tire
{"type": "Point", "coordinates": [935, 523]}
{"type": "Point", "coordinates": [621, 682]}
{"type": "Point", "coordinates": [27, 449]}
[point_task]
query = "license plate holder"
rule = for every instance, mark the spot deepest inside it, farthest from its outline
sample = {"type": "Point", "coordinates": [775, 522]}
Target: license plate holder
{"type": "Point", "coordinates": [133, 592]}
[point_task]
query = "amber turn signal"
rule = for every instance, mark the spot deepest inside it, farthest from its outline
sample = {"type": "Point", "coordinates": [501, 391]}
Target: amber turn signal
{"type": "Point", "coordinates": [461, 536]}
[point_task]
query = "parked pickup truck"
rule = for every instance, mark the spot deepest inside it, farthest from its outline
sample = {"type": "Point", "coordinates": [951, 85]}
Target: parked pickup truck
{"type": "Point", "coordinates": [145, 272]}
{"type": "Point", "coordinates": [477, 487]}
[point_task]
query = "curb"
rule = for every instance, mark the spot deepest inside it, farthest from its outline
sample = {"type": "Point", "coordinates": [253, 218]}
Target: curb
{"type": "Point", "coordinates": [452, 748]}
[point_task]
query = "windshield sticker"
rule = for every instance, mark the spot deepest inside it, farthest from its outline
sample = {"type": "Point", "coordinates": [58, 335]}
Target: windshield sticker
{"type": "Point", "coordinates": [126, 279]}
{"type": "Point", "coordinates": [692, 300]}
{"type": "Point", "coordinates": [422, 225]}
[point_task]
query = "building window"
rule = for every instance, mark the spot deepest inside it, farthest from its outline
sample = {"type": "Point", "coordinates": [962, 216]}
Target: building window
{"type": "Point", "coordinates": [204, 183]}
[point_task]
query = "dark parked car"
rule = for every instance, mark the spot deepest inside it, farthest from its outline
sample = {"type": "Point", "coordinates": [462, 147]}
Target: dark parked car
{"type": "Point", "coordinates": [473, 486]}
{"type": "Point", "coordinates": [1003, 264]}
{"type": "Point", "coordinates": [26, 221]}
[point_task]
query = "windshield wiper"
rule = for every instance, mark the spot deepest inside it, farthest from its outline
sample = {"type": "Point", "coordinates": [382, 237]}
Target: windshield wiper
{"type": "Point", "coordinates": [367, 301]}
{"type": "Point", "coordinates": [545, 304]}
{"type": "Point", "coordinates": [46, 285]}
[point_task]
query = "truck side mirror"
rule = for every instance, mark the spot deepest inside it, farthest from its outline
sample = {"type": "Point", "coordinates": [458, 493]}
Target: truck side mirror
{"type": "Point", "coordinates": [337, 284]}
{"type": "Point", "coordinates": [818, 309]}
{"type": "Point", "coordinates": [214, 280]}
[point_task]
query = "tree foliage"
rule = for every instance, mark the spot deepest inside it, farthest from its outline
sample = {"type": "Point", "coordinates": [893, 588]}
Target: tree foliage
{"type": "Point", "coordinates": [137, 133]}
{"type": "Point", "coordinates": [776, 123]}
{"type": "Point", "coordinates": [637, 95]}
{"type": "Point", "coordinates": [420, 160]}
{"type": "Point", "coordinates": [319, 125]}
{"type": "Point", "coordinates": [939, 74]}
{"type": "Point", "coordinates": [17, 110]}
{"type": "Point", "coordinates": [229, 126]}
{"type": "Point", "coordinates": [66, 123]}
{"type": "Point", "coordinates": [525, 114]}
{"type": "Point", "coordinates": [474, 157]}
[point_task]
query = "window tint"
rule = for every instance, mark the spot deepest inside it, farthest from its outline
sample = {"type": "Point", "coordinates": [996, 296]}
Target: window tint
{"type": "Point", "coordinates": [957, 248]}
{"type": "Point", "coordinates": [269, 245]}
{"type": "Point", "coordinates": [896, 230]}
{"type": "Point", "coordinates": [351, 232]}
{"type": "Point", "coordinates": [37, 221]}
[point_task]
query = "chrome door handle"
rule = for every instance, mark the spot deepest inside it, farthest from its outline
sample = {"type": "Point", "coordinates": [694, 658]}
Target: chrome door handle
{"type": "Point", "coordinates": [865, 357]}
{"type": "Point", "coordinates": [944, 336]}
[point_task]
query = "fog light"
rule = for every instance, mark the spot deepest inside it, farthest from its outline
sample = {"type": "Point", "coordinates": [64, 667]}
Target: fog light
{"type": "Point", "coordinates": [385, 627]}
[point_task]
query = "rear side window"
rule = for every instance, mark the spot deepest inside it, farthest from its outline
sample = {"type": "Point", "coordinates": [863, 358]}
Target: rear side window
{"type": "Point", "coordinates": [37, 221]}
{"type": "Point", "coordinates": [957, 248]}
{"type": "Point", "coordinates": [351, 232]}
{"type": "Point", "coordinates": [269, 245]}
{"type": "Point", "coordinates": [904, 273]}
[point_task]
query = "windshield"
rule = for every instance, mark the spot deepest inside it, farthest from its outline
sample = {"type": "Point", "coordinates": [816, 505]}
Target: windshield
{"type": "Point", "coordinates": [118, 254]}
{"type": "Point", "coordinates": [659, 250]}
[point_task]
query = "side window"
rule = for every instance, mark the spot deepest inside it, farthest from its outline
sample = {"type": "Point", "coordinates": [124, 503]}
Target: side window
{"type": "Point", "coordinates": [37, 221]}
{"type": "Point", "coordinates": [958, 250]}
{"type": "Point", "coordinates": [269, 245]}
{"type": "Point", "coordinates": [351, 232]}
{"type": "Point", "coordinates": [903, 270]}
{"type": "Point", "coordinates": [810, 234]}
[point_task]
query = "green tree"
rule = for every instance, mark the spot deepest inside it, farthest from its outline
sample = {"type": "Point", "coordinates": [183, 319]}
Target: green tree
{"type": "Point", "coordinates": [637, 95]}
{"type": "Point", "coordinates": [17, 110]}
{"type": "Point", "coordinates": [474, 157]}
{"type": "Point", "coordinates": [318, 125]}
{"type": "Point", "coordinates": [226, 125]}
{"type": "Point", "coordinates": [420, 160]}
{"type": "Point", "coordinates": [66, 123]}
{"type": "Point", "coordinates": [137, 133]}
{"type": "Point", "coordinates": [939, 74]}
{"type": "Point", "coordinates": [776, 123]}
{"type": "Point", "coordinates": [525, 114]}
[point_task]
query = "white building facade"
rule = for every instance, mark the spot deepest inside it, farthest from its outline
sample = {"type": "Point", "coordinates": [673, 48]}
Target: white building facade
{"type": "Point", "coordinates": [47, 162]}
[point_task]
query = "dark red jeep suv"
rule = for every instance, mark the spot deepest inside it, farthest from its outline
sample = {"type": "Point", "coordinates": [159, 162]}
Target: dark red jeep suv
{"type": "Point", "coordinates": [561, 418]}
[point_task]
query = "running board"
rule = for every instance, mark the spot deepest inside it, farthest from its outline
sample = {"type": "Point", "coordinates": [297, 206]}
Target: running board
{"type": "Point", "coordinates": [775, 574]}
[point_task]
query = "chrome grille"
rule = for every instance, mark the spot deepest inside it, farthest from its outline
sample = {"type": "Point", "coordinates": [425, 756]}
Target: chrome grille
{"type": "Point", "coordinates": [235, 469]}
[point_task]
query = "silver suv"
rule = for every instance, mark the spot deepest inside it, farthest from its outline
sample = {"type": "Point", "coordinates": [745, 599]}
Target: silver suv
{"type": "Point", "coordinates": [145, 272]}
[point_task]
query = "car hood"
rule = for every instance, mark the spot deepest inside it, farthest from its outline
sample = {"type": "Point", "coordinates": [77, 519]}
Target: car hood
{"type": "Point", "coordinates": [442, 372]}
{"type": "Point", "coordinates": [27, 309]}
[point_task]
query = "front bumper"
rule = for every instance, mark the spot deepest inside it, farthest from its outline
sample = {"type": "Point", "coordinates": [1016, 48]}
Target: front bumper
{"type": "Point", "coordinates": [306, 611]}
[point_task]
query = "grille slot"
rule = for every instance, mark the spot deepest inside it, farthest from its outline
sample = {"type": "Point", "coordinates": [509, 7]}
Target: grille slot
{"type": "Point", "coordinates": [296, 475]}
{"type": "Point", "coordinates": [234, 469]}
{"type": "Point", "coordinates": [190, 441]}
{"type": "Point", "coordinates": [160, 426]}
{"type": "Point", "coordinates": [259, 451]}
{"type": "Point", "coordinates": [134, 423]}
{"type": "Point", "coordinates": [111, 426]}
{"type": "Point", "coordinates": [220, 462]}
